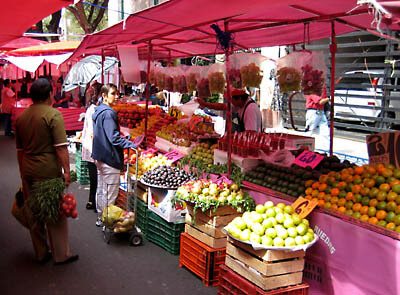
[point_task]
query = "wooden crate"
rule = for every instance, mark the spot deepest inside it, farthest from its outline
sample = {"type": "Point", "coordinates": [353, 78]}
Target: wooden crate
{"type": "Point", "coordinates": [210, 241]}
{"type": "Point", "coordinates": [220, 218]}
{"type": "Point", "coordinates": [215, 232]}
{"type": "Point", "coordinates": [268, 269]}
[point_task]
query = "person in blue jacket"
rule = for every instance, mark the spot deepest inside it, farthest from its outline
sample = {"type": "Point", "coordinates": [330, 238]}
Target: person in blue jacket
{"type": "Point", "coordinates": [107, 151]}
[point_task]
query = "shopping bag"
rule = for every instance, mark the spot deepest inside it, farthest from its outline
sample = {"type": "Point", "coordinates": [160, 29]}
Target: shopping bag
{"type": "Point", "coordinates": [17, 209]}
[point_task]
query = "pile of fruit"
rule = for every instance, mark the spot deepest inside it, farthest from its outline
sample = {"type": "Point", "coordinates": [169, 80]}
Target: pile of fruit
{"type": "Point", "coordinates": [206, 194]}
{"type": "Point", "coordinates": [166, 177]}
{"type": "Point", "coordinates": [125, 222]}
{"type": "Point", "coordinates": [203, 152]}
{"type": "Point", "coordinates": [271, 225]}
{"type": "Point", "coordinates": [178, 134]}
{"type": "Point", "coordinates": [130, 116]}
{"type": "Point", "coordinates": [371, 194]}
{"type": "Point", "coordinates": [148, 161]}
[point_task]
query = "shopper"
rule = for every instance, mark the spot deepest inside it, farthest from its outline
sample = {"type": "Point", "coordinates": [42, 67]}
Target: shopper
{"type": "Point", "coordinates": [246, 114]}
{"type": "Point", "coordinates": [108, 146]}
{"type": "Point", "coordinates": [42, 150]}
{"type": "Point", "coordinates": [316, 121]}
{"type": "Point", "coordinates": [8, 103]}
{"type": "Point", "coordinates": [87, 143]}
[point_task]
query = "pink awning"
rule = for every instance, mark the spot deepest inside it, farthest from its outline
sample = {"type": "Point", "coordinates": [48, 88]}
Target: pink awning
{"type": "Point", "coordinates": [21, 43]}
{"type": "Point", "coordinates": [46, 49]}
{"type": "Point", "coordinates": [180, 28]}
{"type": "Point", "coordinates": [17, 16]}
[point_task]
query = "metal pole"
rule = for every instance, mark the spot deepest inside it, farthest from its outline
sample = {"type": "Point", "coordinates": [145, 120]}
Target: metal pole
{"type": "Point", "coordinates": [333, 49]}
{"type": "Point", "coordinates": [102, 66]}
{"type": "Point", "coordinates": [228, 111]}
{"type": "Point", "coordinates": [150, 48]}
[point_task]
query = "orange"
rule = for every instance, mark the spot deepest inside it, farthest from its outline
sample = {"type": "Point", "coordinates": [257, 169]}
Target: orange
{"type": "Point", "coordinates": [365, 201]}
{"type": "Point", "coordinates": [349, 196]}
{"type": "Point", "coordinates": [321, 203]}
{"type": "Point", "coordinates": [327, 197]}
{"type": "Point", "coordinates": [342, 194]}
{"type": "Point", "coordinates": [335, 191]}
{"type": "Point", "coordinates": [323, 178]}
{"type": "Point", "coordinates": [342, 185]}
{"type": "Point", "coordinates": [379, 179]}
{"type": "Point", "coordinates": [356, 215]}
{"type": "Point", "coordinates": [308, 197]}
{"type": "Point", "coordinates": [364, 210]}
{"type": "Point", "coordinates": [356, 188]}
{"type": "Point", "coordinates": [391, 196]}
{"type": "Point", "coordinates": [371, 170]}
{"type": "Point", "coordinates": [391, 206]}
{"type": "Point", "coordinates": [341, 202]}
{"type": "Point", "coordinates": [373, 220]}
{"type": "Point", "coordinates": [387, 172]}
{"type": "Point", "coordinates": [373, 202]}
{"type": "Point", "coordinates": [356, 207]}
{"type": "Point", "coordinates": [327, 205]}
{"type": "Point", "coordinates": [321, 195]}
{"type": "Point", "coordinates": [308, 191]}
{"type": "Point", "coordinates": [393, 182]}
{"type": "Point", "coordinates": [369, 182]}
{"type": "Point", "coordinates": [357, 179]}
{"type": "Point", "coordinates": [334, 207]}
{"type": "Point", "coordinates": [391, 226]}
{"type": "Point", "coordinates": [323, 187]}
{"type": "Point", "coordinates": [315, 185]}
{"type": "Point", "coordinates": [364, 191]}
{"type": "Point", "coordinates": [397, 200]}
{"type": "Point", "coordinates": [373, 192]}
{"type": "Point", "coordinates": [396, 188]}
{"type": "Point", "coordinates": [381, 205]}
{"type": "Point", "coordinates": [357, 198]}
{"type": "Point", "coordinates": [348, 178]}
{"type": "Point", "coordinates": [381, 214]}
{"type": "Point", "coordinates": [359, 170]}
{"type": "Point", "coordinates": [314, 193]}
{"type": "Point", "coordinates": [309, 183]}
{"type": "Point", "coordinates": [390, 217]}
{"type": "Point", "coordinates": [349, 204]}
{"type": "Point", "coordinates": [371, 211]}
{"type": "Point", "coordinates": [378, 166]}
{"type": "Point", "coordinates": [397, 210]}
{"type": "Point", "coordinates": [384, 187]}
{"type": "Point", "coordinates": [381, 196]}
{"type": "Point", "coordinates": [349, 212]}
{"type": "Point", "coordinates": [396, 220]}
{"type": "Point", "coordinates": [342, 209]}
{"type": "Point", "coordinates": [382, 223]}
{"type": "Point", "coordinates": [334, 200]}
{"type": "Point", "coordinates": [390, 166]}
{"type": "Point", "coordinates": [364, 217]}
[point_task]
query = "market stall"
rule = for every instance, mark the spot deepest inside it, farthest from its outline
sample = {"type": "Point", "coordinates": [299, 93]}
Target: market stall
{"type": "Point", "coordinates": [246, 28]}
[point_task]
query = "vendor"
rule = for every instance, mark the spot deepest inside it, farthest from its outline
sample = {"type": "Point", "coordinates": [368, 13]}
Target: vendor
{"type": "Point", "coordinates": [245, 113]}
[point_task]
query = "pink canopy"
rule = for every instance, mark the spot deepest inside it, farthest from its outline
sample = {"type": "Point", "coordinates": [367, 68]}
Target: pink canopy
{"type": "Point", "coordinates": [21, 43]}
{"type": "Point", "coordinates": [19, 15]}
{"type": "Point", "coordinates": [180, 28]}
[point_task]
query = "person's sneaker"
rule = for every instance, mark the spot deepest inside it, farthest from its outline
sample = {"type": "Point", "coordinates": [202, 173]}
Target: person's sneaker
{"type": "Point", "coordinates": [98, 222]}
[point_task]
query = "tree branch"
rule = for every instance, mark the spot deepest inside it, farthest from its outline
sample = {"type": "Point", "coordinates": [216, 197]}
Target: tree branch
{"type": "Point", "coordinates": [95, 2]}
{"type": "Point", "coordinates": [100, 15]}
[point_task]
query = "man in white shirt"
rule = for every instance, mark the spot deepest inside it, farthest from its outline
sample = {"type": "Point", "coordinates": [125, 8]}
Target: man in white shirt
{"type": "Point", "coordinates": [8, 102]}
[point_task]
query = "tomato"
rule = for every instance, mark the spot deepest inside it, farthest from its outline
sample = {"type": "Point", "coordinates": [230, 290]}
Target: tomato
{"type": "Point", "coordinates": [64, 206]}
{"type": "Point", "coordinates": [73, 203]}
{"type": "Point", "coordinates": [74, 214]}
{"type": "Point", "coordinates": [68, 212]}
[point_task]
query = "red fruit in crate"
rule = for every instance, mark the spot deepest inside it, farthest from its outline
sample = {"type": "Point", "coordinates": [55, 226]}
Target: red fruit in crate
{"type": "Point", "coordinates": [130, 125]}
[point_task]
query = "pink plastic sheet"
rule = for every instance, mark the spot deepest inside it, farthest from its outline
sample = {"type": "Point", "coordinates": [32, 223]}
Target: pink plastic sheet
{"type": "Point", "coordinates": [175, 31]}
{"type": "Point", "coordinates": [348, 259]}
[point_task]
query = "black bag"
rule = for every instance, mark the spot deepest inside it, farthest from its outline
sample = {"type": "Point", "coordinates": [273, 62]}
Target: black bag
{"type": "Point", "coordinates": [327, 110]}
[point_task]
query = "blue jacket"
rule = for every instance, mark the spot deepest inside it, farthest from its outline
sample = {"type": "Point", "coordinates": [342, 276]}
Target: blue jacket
{"type": "Point", "coordinates": [108, 145]}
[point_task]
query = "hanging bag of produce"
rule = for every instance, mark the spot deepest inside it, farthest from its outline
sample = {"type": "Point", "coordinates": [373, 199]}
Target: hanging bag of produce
{"type": "Point", "coordinates": [192, 78]}
{"type": "Point", "coordinates": [249, 65]}
{"type": "Point", "coordinates": [203, 85]}
{"type": "Point", "coordinates": [216, 78]}
{"type": "Point", "coordinates": [314, 73]}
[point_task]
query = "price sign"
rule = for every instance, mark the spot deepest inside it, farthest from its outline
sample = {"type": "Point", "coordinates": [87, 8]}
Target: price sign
{"type": "Point", "coordinates": [138, 140]}
{"type": "Point", "coordinates": [149, 151]}
{"type": "Point", "coordinates": [308, 158]}
{"type": "Point", "coordinates": [303, 207]}
{"type": "Point", "coordinates": [174, 112]}
{"type": "Point", "coordinates": [384, 148]}
{"type": "Point", "coordinates": [173, 156]}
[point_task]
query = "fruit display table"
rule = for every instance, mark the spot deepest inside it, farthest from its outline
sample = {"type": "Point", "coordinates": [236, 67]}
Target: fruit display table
{"type": "Point", "coordinates": [348, 259]}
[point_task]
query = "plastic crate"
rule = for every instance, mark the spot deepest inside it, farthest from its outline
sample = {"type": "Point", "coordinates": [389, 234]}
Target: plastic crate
{"type": "Point", "coordinates": [142, 216]}
{"type": "Point", "coordinates": [165, 234]}
{"type": "Point", "coordinates": [201, 259]}
{"type": "Point", "coordinates": [232, 283]}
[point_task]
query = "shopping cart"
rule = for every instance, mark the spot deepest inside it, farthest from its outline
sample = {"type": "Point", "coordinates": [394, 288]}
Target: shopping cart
{"type": "Point", "coordinates": [134, 233]}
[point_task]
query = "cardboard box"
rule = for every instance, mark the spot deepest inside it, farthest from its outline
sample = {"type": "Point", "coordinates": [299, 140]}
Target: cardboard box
{"type": "Point", "coordinates": [159, 201]}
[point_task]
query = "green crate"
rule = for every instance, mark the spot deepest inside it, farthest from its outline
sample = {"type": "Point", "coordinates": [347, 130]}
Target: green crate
{"type": "Point", "coordinates": [84, 181]}
{"type": "Point", "coordinates": [141, 216]}
{"type": "Point", "coordinates": [165, 234]}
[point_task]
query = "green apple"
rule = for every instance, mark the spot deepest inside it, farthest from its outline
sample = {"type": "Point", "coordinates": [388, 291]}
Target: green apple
{"type": "Point", "coordinates": [288, 209]}
{"type": "Point", "coordinates": [235, 232]}
{"type": "Point", "coordinates": [278, 242]}
{"type": "Point", "coordinates": [278, 210]}
{"type": "Point", "coordinates": [306, 222]}
{"type": "Point", "coordinates": [266, 240]}
{"type": "Point", "coordinates": [290, 242]}
{"type": "Point", "coordinates": [299, 240]}
{"type": "Point", "coordinates": [281, 205]}
{"type": "Point", "coordinates": [292, 232]}
{"type": "Point", "coordinates": [269, 204]}
{"type": "Point", "coordinates": [254, 238]}
{"type": "Point", "coordinates": [278, 227]}
{"type": "Point", "coordinates": [267, 223]}
{"type": "Point", "coordinates": [296, 218]}
{"type": "Point", "coordinates": [245, 235]}
{"type": "Point", "coordinates": [239, 222]}
{"type": "Point", "coordinates": [270, 212]}
{"type": "Point", "coordinates": [256, 217]}
{"type": "Point", "coordinates": [260, 209]}
{"type": "Point", "coordinates": [301, 229]}
{"type": "Point", "coordinates": [307, 239]}
{"type": "Point", "coordinates": [205, 191]}
{"type": "Point", "coordinates": [270, 232]}
{"type": "Point", "coordinates": [310, 230]}
{"type": "Point", "coordinates": [273, 220]}
{"type": "Point", "coordinates": [311, 236]}
{"type": "Point", "coordinates": [280, 217]}
{"type": "Point", "coordinates": [288, 222]}
{"type": "Point", "coordinates": [283, 233]}
{"type": "Point", "coordinates": [257, 228]}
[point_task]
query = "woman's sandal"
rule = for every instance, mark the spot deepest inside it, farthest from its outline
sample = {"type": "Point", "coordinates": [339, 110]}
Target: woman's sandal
{"type": "Point", "coordinates": [69, 260]}
{"type": "Point", "coordinates": [90, 206]}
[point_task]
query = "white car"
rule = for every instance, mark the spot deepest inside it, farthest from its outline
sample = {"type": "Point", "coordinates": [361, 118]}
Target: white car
{"type": "Point", "coordinates": [358, 100]}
